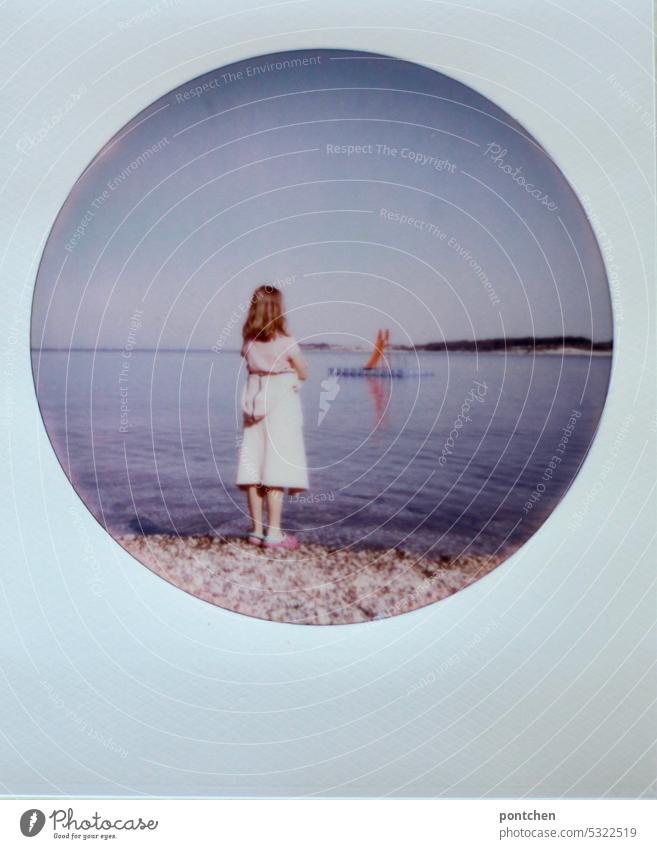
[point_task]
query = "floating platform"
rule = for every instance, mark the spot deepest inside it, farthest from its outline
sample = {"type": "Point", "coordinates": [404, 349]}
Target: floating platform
{"type": "Point", "coordinates": [360, 371]}
{"type": "Point", "coordinates": [382, 354]}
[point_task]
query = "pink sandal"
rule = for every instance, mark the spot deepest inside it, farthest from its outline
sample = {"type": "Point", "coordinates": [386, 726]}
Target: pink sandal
{"type": "Point", "coordinates": [288, 542]}
{"type": "Point", "coordinates": [256, 539]}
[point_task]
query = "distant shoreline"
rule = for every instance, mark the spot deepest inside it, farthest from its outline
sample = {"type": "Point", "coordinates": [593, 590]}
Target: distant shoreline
{"type": "Point", "coordinates": [569, 345]}
{"type": "Point", "coordinates": [523, 345]}
{"type": "Point", "coordinates": [510, 351]}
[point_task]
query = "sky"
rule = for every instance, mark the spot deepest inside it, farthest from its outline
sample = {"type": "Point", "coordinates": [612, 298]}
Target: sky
{"type": "Point", "coordinates": [373, 191]}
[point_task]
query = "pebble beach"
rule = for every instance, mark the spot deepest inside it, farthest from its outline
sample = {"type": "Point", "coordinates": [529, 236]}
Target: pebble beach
{"type": "Point", "coordinates": [314, 585]}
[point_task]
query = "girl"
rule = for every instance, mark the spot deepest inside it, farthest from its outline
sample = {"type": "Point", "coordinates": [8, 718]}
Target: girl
{"type": "Point", "coordinates": [272, 454]}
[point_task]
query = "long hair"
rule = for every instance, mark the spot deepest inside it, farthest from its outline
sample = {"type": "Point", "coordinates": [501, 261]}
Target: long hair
{"type": "Point", "coordinates": [266, 316]}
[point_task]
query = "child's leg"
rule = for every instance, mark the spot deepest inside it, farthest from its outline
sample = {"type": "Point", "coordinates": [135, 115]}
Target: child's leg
{"type": "Point", "coordinates": [255, 500]}
{"type": "Point", "coordinates": [275, 511]}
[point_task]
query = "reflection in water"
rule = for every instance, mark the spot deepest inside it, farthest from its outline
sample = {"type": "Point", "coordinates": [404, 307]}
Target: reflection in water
{"type": "Point", "coordinates": [379, 389]}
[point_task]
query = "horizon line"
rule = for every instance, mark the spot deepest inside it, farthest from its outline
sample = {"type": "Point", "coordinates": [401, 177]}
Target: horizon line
{"type": "Point", "coordinates": [210, 350]}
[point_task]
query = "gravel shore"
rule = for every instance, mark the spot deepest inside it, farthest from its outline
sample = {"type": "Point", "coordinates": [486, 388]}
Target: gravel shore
{"type": "Point", "coordinates": [313, 585]}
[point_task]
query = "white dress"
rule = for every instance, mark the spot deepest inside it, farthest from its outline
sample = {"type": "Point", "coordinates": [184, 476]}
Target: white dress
{"type": "Point", "coordinates": [272, 451]}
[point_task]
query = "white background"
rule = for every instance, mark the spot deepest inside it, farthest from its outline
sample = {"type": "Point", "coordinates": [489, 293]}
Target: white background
{"type": "Point", "coordinates": [116, 683]}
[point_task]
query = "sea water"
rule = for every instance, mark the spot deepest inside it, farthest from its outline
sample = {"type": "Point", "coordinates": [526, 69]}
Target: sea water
{"type": "Point", "coordinates": [474, 457]}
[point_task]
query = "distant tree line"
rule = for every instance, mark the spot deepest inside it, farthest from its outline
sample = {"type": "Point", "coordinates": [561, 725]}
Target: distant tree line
{"type": "Point", "coordinates": [498, 344]}
{"type": "Point", "coordinates": [501, 344]}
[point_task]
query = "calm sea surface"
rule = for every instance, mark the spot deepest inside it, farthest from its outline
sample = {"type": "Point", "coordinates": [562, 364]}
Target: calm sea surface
{"type": "Point", "coordinates": [167, 463]}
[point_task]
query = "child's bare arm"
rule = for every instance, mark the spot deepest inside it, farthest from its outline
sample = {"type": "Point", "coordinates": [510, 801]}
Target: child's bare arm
{"type": "Point", "coordinates": [299, 365]}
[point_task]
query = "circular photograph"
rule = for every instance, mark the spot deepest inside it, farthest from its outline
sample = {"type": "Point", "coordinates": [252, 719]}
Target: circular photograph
{"type": "Point", "coordinates": [322, 337]}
